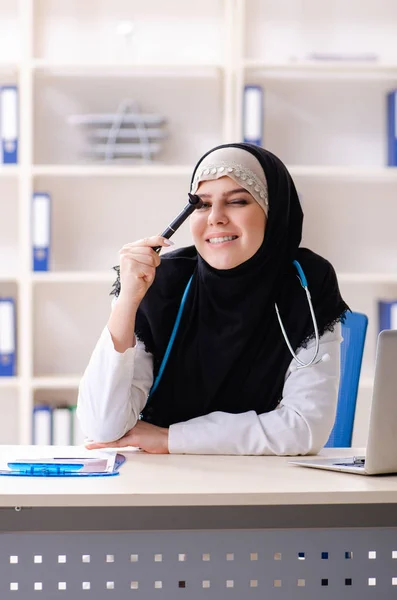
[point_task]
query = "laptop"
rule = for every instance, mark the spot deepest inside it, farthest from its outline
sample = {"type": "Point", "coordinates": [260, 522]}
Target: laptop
{"type": "Point", "coordinates": [381, 451]}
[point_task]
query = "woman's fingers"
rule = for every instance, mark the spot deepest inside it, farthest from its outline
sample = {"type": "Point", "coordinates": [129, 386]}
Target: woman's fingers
{"type": "Point", "coordinates": [150, 242]}
{"type": "Point", "coordinates": [121, 443]}
{"type": "Point", "coordinates": [138, 263]}
{"type": "Point", "coordinates": [151, 260]}
{"type": "Point", "coordinates": [97, 445]}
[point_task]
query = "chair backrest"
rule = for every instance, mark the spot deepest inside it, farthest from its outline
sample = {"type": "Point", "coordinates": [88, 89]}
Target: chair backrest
{"type": "Point", "coordinates": [354, 330]}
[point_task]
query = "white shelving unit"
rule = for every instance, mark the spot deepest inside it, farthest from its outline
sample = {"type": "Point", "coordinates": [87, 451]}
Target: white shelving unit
{"type": "Point", "coordinates": [189, 61]}
{"type": "Point", "coordinates": [327, 121]}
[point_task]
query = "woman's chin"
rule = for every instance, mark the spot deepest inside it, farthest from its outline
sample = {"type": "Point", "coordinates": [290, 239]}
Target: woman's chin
{"type": "Point", "coordinates": [222, 263]}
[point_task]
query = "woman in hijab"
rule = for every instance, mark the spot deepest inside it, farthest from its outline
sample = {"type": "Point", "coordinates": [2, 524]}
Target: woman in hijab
{"type": "Point", "coordinates": [229, 385]}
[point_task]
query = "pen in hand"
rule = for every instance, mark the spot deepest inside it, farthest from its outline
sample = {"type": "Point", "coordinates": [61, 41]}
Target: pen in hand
{"type": "Point", "coordinates": [194, 202]}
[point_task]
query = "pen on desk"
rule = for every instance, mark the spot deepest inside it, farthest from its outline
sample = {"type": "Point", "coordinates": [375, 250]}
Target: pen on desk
{"type": "Point", "coordinates": [194, 202]}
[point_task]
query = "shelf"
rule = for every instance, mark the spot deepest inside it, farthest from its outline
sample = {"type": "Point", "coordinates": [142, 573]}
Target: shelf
{"type": "Point", "coordinates": [9, 382]}
{"type": "Point", "coordinates": [378, 174]}
{"type": "Point", "coordinates": [9, 170]}
{"type": "Point", "coordinates": [106, 170]}
{"type": "Point", "coordinates": [8, 278]}
{"type": "Point", "coordinates": [56, 382]}
{"type": "Point", "coordinates": [322, 69]}
{"type": "Point", "coordinates": [109, 277]}
{"type": "Point", "coordinates": [74, 277]}
{"type": "Point", "coordinates": [126, 69]}
{"type": "Point", "coordinates": [390, 278]}
{"type": "Point", "coordinates": [8, 68]}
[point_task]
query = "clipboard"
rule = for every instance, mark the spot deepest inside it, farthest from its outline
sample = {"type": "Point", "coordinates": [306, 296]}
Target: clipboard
{"type": "Point", "coordinates": [65, 467]}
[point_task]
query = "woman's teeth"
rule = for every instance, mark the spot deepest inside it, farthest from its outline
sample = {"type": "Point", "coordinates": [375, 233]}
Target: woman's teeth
{"type": "Point", "coordinates": [219, 240]}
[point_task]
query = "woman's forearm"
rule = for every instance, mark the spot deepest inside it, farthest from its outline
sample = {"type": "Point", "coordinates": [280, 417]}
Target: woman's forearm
{"type": "Point", "coordinates": [121, 324]}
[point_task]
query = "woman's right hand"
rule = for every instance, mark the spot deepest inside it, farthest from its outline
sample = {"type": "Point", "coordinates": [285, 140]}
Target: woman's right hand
{"type": "Point", "coordinates": [138, 263]}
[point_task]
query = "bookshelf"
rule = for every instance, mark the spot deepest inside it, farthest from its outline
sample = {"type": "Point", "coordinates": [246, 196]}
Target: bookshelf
{"type": "Point", "coordinates": [327, 119]}
{"type": "Point", "coordinates": [190, 62]}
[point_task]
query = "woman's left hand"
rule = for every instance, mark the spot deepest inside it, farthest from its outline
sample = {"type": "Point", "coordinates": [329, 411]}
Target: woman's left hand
{"type": "Point", "coordinates": [146, 436]}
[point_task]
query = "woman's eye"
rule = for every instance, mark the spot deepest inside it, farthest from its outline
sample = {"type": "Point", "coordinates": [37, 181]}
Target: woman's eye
{"type": "Point", "coordinates": [241, 202]}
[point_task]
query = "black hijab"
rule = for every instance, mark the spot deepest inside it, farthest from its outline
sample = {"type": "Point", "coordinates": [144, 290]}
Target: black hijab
{"type": "Point", "coordinates": [229, 353]}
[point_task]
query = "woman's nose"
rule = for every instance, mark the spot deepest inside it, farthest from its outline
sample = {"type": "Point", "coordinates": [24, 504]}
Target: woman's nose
{"type": "Point", "coordinates": [217, 216]}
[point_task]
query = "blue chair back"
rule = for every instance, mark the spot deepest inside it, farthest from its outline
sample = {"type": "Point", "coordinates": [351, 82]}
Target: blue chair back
{"type": "Point", "coordinates": [353, 331]}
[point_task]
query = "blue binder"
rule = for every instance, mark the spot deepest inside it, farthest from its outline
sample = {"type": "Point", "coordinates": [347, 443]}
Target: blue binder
{"type": "Point", "coordinates": [7, 337]}
{"type": "Point", "coordinates": [253, 115]}
{"type": "Point", "coordinates": [9, 124]}
{"type": "Point", "coordinates": [392, 129]}
{"type": "Point", "coordinates": [41, 231]}
{"type": "Point", "coordinates": [387, 311]}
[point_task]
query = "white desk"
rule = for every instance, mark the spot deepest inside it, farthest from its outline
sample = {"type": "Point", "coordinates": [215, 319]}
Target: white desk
{"type": "Point", "coordinates": [200, 527]}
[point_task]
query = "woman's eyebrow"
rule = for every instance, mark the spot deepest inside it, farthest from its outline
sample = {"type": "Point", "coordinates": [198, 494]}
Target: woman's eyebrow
{"type": "Point", "coordinates": [225, 194]}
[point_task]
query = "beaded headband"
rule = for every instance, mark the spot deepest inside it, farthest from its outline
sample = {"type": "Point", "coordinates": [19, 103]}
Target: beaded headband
{"type": "Point", "coordinates": [239, 165]}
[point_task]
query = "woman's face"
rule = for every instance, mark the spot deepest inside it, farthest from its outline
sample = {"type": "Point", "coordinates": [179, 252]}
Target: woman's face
{"type": "Point", "coordinates": [230, 227]}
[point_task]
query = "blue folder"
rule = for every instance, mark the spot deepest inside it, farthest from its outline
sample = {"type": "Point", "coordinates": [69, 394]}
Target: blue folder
{"type": "Point", "coordinates": [57, 467]}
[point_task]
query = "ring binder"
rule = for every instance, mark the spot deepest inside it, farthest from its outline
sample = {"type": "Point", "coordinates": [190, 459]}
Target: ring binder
{"type": "Point", "coordinates": [41, 231]}
{"type": "Point", "coordinates": [7, 337]}
{"type": "Point", "coordinates": [253, 115]}
{"type": "Point", "coordinates": [9, 124]}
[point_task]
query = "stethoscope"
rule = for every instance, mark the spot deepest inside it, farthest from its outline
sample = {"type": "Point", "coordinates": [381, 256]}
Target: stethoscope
{"type": "Point", "coordinates": [300, 363]}
{"type": "Point", "coordinates": [313, 361]}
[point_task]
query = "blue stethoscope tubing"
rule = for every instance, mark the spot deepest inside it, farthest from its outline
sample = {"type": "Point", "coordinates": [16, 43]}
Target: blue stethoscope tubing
{"type": "Point", "coordinates": [301, 364]}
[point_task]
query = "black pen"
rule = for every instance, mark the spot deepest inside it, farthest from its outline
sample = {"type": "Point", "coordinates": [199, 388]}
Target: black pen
{"type": "Point", "coordinates": [194, 202]}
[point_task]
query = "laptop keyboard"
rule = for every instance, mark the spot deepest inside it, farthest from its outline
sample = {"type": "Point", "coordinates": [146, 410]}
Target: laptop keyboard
{"type": "Point", "coordinates": [358, 463]}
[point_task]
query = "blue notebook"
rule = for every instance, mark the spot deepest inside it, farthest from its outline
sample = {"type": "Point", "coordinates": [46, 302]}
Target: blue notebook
{"type": "Point", "coordinates": [65, 467]}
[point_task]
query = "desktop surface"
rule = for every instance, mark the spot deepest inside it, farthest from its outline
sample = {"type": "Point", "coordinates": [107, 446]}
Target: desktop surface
{"type": "Point", "coordinates": [183, 480]}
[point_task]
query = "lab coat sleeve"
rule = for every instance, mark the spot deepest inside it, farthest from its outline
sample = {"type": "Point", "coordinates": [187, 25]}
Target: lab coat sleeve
{"type": "Point", "coordinates": [301, 423]}
{"type": "Point", "coordinates": [113, 390]}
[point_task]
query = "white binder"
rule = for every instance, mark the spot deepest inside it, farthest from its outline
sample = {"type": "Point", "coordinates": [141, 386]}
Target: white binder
{"type": "Point", "coordinates": [61, 426]}
{"type": "Point", "coordinates": [253, 115]}
{"type": "Point", "coordinates": [42, 425]}
{"type": "Point", "coordinates": [41, 231]}
{"type": "Point", "coordinates": [9, 124]}
{"type": "Point", "coordinates": [7, 337]}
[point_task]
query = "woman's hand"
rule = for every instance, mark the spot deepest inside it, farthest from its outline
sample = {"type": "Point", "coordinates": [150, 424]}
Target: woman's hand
{"type": "Point", "coordinates": [138, 263]}
{"type": "Point", "coordinates": [146, 436]}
